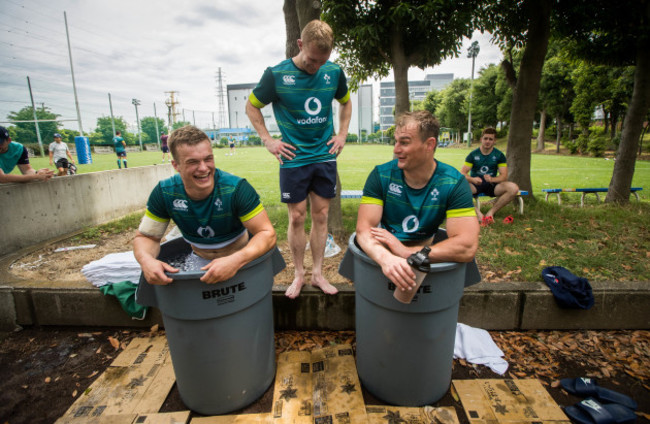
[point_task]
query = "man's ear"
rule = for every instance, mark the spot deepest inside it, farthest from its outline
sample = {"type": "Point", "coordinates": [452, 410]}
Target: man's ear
{"type": "Point", "coordinates": [433, 143]}
{"type": "Point", "coordinates": [300, 44]}
{"type": "Point", "coordinates": [175, 165]}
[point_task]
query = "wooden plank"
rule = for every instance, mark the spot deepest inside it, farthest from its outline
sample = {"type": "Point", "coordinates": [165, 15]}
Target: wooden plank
{"type": "Point", "coordinates": [140, 387]}
{"type": "Point", "coordinates": [380, 414]}
{"type": "Point", "coordinates": [292, 394]}
{"type": "Point", "coordinates": [508, 401]}
{"type": "Point", "coordinates": [337, 396]}
{"type": "Point", "coordinates": [179, 417]}
{"type": "Point", "coordinates": [236, 419]}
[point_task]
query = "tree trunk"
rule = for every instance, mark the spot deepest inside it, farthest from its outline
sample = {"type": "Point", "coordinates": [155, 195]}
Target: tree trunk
{"type": "Point", "coordinates": [558, 134]}
{"type": "Point", "coordinates": [292, 27]}
{"type": "Point", "coordinates": [525, 95]}
{"type": "Point", "coordinates": [335, 216]}
{"type": "Point", "coordinates": [619, 186]}
{"type": "Point", "coordinates": [542, 131]}
{"type": "Point", "coordinates": [308, 10]}
{"type": "Point", "coordinates": [400, 72]}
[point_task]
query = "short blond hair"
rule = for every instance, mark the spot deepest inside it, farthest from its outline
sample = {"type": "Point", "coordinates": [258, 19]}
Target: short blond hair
{"type": "Point", "coordinates": [428, 125]}
{"type": "Point", "coordinates": [189, 135]}
{"type": "Point", "coordinates": [319, 34]}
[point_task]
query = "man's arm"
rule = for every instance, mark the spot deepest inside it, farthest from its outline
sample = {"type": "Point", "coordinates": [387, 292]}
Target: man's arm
{"type": "Point", "coordinates": [51, 156]}
{"type": "Point", "coordinates": [28, 174]}
{"type": "Point", "coordinates": [146, 250]}
{"type": "Point", "coordinates": [502, 176]}
{"type": "Point", "coordinates": [462, 241]}
{"type": "Point", "coordinates": [338, 141]}
{"type": "Point", "coordinates": [473, 180]}
{"type": "Point", "coordinates": [69, 154]}
{"type": "Point", "coordinates": [394, 267]}
{"type": "Point", "coordinates": [278, 148]}
{"type": "Point", "coordinates": [263, 240]}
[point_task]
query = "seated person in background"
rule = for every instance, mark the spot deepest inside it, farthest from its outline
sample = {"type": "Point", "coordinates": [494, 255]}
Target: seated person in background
{"type": "Point", "coordinates": [405, 201]}
{"type": "Point", "coordinates": [14, 154]}
{"type": "Point", "coordinates": [215, 211]}
{"type": "Point", "coordinates": [489, 175]}
{"type": "Point", "coordinates": [58, 152]}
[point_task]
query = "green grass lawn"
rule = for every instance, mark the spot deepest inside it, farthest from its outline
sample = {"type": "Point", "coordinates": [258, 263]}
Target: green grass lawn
{"type": "Point", "coordinates": [600, 242]}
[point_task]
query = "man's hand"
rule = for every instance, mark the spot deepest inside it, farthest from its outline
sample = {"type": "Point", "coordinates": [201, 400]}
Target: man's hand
{"type": "Point", "coordinates": [399, 272]}
{"type": "Point", "coordinates": [488, 178]}
{"type": "Point", "coordinates": [278, 148]}
{"type": "Point", "coordinates": [154, 271]}
{"type": "Point", "coordinates": [384, 236]}
{"type": "Point", "coordinates": [220, 269]}
{"type": "Point", "coordinates": [337, 143]}
{"type": "Point", "coordinates": [44, 174]}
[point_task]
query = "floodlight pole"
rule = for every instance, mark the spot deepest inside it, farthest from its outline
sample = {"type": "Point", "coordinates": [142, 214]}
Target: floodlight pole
{"type": "Point", "coordinates": [74, 85]}
{"type": "Point", "coordinates": [38, 131]}
{"type": "Point", "coordinates": [110, 104]}
{"type": "Point", "coordinates": [136, 103]}
{"type": "Point", "coordinates": [472, 52]}
{"type": "Point", "coordinates": [156, 121]}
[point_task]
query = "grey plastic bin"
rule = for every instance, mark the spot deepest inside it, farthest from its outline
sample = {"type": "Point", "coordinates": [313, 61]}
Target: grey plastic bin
{"type": "Point", "coordinates": [405, 351]}
{"type": "Point", "coordinates": [220, 335]}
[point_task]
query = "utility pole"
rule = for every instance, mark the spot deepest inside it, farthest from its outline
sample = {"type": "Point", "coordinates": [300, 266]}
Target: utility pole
{"type": "Point", "coordinates": [110, 103]}
{"type": "Point", "coordinates": [156, 121]}
{"type": "Point", "coordinates": [220, 99]}
{"type": "Point", "coordinates": [74, 85]}
{"type": "Point", "coordinates": [472, 52]}
{"type": "Point", "coordinates": [136, 103]}
{"type": "Point", "coordinates": [171, 103]}
{"type": "Point", "coordinates": [38, 131]}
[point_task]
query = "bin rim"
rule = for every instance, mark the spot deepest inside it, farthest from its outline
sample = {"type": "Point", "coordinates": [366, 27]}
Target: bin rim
{"type": "Point", "coordinates": [196, 275]}
{"type": "Point", "coordinates": [434, 267]}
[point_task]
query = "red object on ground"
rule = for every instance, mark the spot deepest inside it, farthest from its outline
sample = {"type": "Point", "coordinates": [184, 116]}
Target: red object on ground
{"type": "Point", "coordinates": [508, 219]}
{"type": "Point", "coordinates": [487, 220]}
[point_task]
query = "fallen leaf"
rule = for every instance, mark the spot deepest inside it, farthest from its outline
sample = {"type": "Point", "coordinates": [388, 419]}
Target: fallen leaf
{"type": "Point", "coordinates": [114, 342]}
{"type": "Point", "coordinates": [94, 373]}
{"type": "Point", "coordinates": [542, 262]}
{"type": "Point", "coordinates": [47, 380]}
{"type": "Point", "coordinates": [74, 394]}
{"type": "Point", "coordinates": [154, 328]}
{"type": "Point", "coordinates": [555, 384]}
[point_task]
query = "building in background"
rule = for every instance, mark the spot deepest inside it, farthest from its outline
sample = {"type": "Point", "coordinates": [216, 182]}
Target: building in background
{"type": "Point", "coordinates": [361, 120]}
{"type": "Point", "coordinates": [417, 91]}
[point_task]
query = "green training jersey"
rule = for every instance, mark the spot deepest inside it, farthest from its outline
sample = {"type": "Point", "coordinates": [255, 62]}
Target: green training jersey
{"type": "Point", "coordinates": [302, 104]}
{"type": "Point", "coordinates": [211, 221]}
{"type": "Point", "coordinates": [10, 158]}
{"type": "Point", "coordinates": [485, 164]}
{"type": "Point", "coordinates": [117, 142]}
{"type": "Point", "coordinates": [415, 214]}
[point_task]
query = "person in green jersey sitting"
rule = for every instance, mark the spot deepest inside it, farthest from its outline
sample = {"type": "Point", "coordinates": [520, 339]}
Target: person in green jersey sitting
{"type": "Point", "coordinates": [215, 212]}
{"type": "Point", "coordinates": [302, 90]}
{"type": "Point", "coordinates": [486, 169]}
{"type": "Point", "coordinates": [405, 201]}
{"type": "Point", "coordinates": [14, 154]}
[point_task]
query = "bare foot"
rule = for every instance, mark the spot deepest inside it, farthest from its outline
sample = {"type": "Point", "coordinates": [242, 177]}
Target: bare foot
{"type": "Point", "coordinates": [320, 282]}
{"type": "Point", "coordinates": [294, 289]}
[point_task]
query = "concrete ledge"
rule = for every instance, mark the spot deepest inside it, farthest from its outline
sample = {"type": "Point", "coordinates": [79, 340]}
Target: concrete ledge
{"type": "Point", "coordinates": [491, 306]}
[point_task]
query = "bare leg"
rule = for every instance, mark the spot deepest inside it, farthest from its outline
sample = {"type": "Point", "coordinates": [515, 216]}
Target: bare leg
{"type": "Point", "coordinates": [476, 206]}
{"type": "Point", "coordinates": [297, 243]}
{"type": "Point", "coordinates": [505, 192]}
{"type": "Point", "coordinates": [318, 239]}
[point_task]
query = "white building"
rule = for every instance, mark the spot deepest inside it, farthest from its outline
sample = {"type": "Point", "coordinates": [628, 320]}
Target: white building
{"type": "Point", "coordinates": [417, 91]}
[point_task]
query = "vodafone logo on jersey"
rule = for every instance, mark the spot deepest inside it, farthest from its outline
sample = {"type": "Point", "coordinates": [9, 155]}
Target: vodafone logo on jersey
{"type": "Point", "coordinates": [313, 107]}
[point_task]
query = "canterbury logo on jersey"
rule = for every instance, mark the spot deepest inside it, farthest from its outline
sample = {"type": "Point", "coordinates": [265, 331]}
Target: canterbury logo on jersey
{"type": "Point", "coordinates": [395, 189]}
{"type": "Point", "coordinates": [180, 204]}
{"type": "Point", "coordinates": [289, 79]}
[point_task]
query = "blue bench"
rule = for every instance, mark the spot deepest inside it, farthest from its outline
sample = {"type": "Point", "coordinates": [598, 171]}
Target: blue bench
{"type": "Point", "coordinates": [520, 200]}
{"type": "Point", "coordinates": [584, 192]}
{"type": "Point", "coordinates": [351, 194]}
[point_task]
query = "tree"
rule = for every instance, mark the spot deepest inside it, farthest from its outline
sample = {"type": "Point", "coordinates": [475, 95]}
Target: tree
{"type": "Point", "coordinates": [148, 126]}
{"type": "Point", "coordinates": [105, 128]}
{"type": "Point", "coordinates": [485, 101]}
{"type": "Point", "coordinates": [25, 132]}
{"type": "Point", "coordinates": [452, 111]}
{"type": "Point", "coordinates": [180, 124]}
{"type": "Point", "coordinates": [432, 101]}
{"type": "Point", "coordinates": [524, 25]}
{"type": "Point", "coordinates": [616, 33]}
{"type": "Point", "coordinates": [373, 37]}
{"type": "Point", "coordinates": [556, 91]}
{"type": "Point", "coordinates": [297, 14]}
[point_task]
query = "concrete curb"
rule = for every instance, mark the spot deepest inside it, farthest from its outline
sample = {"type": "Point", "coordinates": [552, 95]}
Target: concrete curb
{"type": "Point", "coordinates": [492, 306]}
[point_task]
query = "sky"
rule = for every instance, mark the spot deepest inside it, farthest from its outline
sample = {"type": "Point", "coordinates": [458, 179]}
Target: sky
{"type": "Point", "coordinates": [143, 49]}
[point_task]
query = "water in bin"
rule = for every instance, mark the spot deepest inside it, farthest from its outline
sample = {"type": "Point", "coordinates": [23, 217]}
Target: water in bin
{"type": "Point", "coordinates": [220, 336]}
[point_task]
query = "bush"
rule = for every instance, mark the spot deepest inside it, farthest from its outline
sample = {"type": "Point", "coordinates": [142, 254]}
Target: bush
{"type": "Point", "coordinates": [597, 145]}
{"type": "Point", "coordinates": [352, 138]}
{"type": "Point", "coordinates": [502, 133]}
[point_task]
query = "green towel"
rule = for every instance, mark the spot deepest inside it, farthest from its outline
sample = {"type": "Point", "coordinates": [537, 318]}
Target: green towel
{"type": "Point", "coordinates": [124, 291]}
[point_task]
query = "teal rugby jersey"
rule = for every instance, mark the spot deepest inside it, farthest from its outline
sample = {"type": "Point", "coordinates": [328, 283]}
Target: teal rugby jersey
{"type": "Point", "coordinates": [302, 104]}
{"type": "Point", "coordinates": [213, 220]}
{"type": "Point", "coordinates": [485, 164]}
{"type": "Point", "coordinates": [10, 158]}
{"type": "Point", "coordinates": [117, 142]}
{"type": "Point", "coordinates": [411, 214]}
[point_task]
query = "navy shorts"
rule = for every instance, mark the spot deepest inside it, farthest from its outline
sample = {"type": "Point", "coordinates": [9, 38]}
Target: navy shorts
{"type": "Point", "coordinates": [62, 163]}
{"type": "Point", "coordinates": [485, 187]}
{"type": "Point", "coordinates": [121, 154]}
{"type": "Point", "coordinates": [296, 183]}
{"type": "Point", "coordinates": [165, 149]}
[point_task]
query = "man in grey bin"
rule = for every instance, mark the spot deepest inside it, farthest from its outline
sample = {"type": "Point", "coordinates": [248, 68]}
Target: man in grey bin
{"type": "Point", "coordinates": [405, 201]}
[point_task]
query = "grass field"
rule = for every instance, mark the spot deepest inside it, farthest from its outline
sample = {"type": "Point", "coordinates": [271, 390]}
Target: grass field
{"type": "Point", "coordinates": [601, 242]}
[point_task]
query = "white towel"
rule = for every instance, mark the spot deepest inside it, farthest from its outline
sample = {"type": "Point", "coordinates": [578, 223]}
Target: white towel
{"type": "Point", "coordinates": [112, 268]}
{"type": "Point", "coordinates": [477, 347]}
